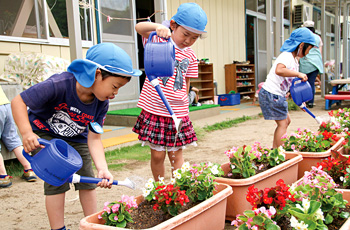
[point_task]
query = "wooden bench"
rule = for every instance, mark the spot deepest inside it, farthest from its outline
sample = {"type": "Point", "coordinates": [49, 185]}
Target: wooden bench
{"type": "Point", "coordinates": [336, 98]}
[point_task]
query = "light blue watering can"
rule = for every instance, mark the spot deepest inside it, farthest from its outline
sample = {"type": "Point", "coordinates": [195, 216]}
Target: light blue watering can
{"type": "Point", "coordinates": [58, 163]}
{"type": "Point", "coordinates": [159, 61]}
{"type": "Point", "coordinates": [301, 92]}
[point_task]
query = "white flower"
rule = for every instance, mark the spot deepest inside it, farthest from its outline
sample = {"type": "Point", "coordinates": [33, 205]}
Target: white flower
{"type": "Point", "coordinates": [177, 175]}
{"type": "Point", "coordinates": [297, 225]}
{"type": "Point", "coordinates": [233, 167]}
{"type": "Point", "coordinates": [210, 164]}
{"type": "Point", "coordinates": [172, 181]}
{"type": "Point", "coordinates": [341, 178]}
{"type": "Point", "coordinates": [214, 170]}
{"type": "Point", "coordinates": [185, 166]}
{"type": "Point", "coordinates": [149, 186]}
{"type": "Point", "coordinates": [161, 179]}
{"type": "Point", "coordinates": [150, 180]}
{"type": "Point", "coordinates": [145, 192]}
{"type": "Point", "coordinates": [319, 214]}
{"type": "Point", "coordinates": [306, 205]}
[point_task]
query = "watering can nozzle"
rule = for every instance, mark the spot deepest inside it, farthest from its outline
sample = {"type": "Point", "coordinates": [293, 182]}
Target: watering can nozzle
{"type": "Point", "coordinates": [178, 123]}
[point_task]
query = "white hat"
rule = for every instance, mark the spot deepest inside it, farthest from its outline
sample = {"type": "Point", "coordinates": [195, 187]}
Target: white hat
{"type": "Point", "coordinates": [309, 24]}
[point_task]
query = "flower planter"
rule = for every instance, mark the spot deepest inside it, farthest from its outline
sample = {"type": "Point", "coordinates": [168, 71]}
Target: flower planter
{"type": "Point", "coordinates": [237, 203]}
{"type": "Point", "coordinates": [212, 209]}
{"type": "Point", "coordinates": [312, 158]}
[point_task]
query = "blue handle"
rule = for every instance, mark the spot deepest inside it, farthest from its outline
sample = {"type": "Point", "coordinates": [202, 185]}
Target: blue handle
{"type": "Point", "coordinates": [29, 157]}
{"type": "Point", "coordinates": [162, 96]}
{"type": "Point", "coordinates": [309, 112]}
{"type": "Point", "coordinates": [92, 180]}
{"type": "Point", "coordinates": [154, 33]}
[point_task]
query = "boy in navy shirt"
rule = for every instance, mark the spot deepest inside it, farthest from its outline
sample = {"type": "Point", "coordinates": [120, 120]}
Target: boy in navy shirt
{"type": "Point", "coordinates": [64, 106]}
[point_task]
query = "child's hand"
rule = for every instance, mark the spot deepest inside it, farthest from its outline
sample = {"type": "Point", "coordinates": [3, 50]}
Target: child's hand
{"type": "Point", "coordinates": [107, 179]}
{"type": "Point", "coordinates": [302, 76]}
{"type": "Point", "coordinates": [30, 142]}
{"type": "Point", "coordinates": [163, 32]}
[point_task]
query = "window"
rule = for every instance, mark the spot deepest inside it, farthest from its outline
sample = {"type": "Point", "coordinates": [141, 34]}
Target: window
{"type": "Point", "coordinates": [27, 19]}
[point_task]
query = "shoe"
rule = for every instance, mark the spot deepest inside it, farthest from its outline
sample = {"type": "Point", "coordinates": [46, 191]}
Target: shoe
{"type": "Point", "coordinates": [29, 175]}
{"type": "Point", "coordinates": [310, 105]}
{"type": "Point", "coordinates": [5, 182]}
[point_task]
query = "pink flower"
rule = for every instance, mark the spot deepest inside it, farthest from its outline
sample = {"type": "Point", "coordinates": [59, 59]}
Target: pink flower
{"type": "Point", "coordinates": [115, 208]}
{"type": "Point", "coordinates": [99, 217]}
{"type": "Point", "coordinates": [115, 217]}
{"type": "Point", "coordinates": [234, 223]}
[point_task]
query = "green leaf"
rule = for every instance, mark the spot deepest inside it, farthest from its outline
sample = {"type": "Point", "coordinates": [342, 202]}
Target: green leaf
{"type": "Point", "coordinates": [314, 206]}
{"type": "Point", "coordinates": [249, 213]}
{"type": "Point", "coordinates": [328, 219]}
{"type": "Point", "coordinates": [121, 224]}
{"type": "Point", "coordinates": [243, 227]}
{"type": "Point", "coordinates": [120, 217]}
{"type": "Point", "coordinates": [258, 220]}
{"type": "Point", "coordinates": [111, 217]}
{"type": "Point", "coordinates": [344, 215]}
{"type": "Point", "coordinates": [272, 227]}
{"type": "Point", "coordinates": [311, 224]}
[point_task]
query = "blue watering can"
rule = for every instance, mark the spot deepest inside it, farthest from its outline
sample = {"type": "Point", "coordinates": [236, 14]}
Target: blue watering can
{"type": "Point", "coordinates": [301, 92]}
{"type": "Point", "coordinates": [58, 163]}
{"type": "Point", "coordinates": [159, 61]}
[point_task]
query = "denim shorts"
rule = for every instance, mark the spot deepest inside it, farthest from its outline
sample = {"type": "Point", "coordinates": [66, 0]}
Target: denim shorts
{"type": "Point", "coordinates": [273, 107]}
{"type": "Point", "coordinates": [86, 169]}
{"type": "Point", "coordinates": [8, 130]}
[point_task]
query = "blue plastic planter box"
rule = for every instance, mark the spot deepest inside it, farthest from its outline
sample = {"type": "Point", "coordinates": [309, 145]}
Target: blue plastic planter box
{"type": "Point", "coordinates": [229, 99]}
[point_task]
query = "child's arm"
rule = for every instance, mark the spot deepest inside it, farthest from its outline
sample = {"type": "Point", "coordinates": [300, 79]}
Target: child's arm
{"type": "Point", "coordinates": [20, 115]}
{"type": "Point", "coordinates": [145, 28]}
{"type": "Point", "coordinates": [282, 71]}
{"type": "Point", "coordinates": [98, 156]}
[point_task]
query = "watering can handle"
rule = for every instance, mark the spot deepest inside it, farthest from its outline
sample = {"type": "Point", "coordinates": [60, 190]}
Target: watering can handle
{"type": "Point", "coordinates": [295, 80]}
{"type": "Point", "coordinates": [154, 33]}
{"type": "Point", "coordinates": [42, 142]}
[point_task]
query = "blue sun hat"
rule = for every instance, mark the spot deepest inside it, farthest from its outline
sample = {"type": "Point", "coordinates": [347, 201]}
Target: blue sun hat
{"type": "Point", "coordinates": [106, 56]}
{"type": "Point", "coordinates": [298, 36]}
{"type": "Point", "coordinates": [192, 17]}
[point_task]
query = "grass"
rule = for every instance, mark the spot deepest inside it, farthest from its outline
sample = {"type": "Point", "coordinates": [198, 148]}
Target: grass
{"type": "Point", "coordinates": [292, 105]}
{"type": "Point", "coordinates": [118, 158]}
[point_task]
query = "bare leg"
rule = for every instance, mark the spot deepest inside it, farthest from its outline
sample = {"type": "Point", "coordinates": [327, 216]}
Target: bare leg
{"type": "Point", "coordinates": [176, 159]}
{"type": "Point", "coordinates": [21, 158]}
{"type": "Point", "coordinates": [88, 201]}
{"type": "Point", "coordinates": [55, 210]}
{"type": "Point", "coordinates": [2, 166]}
{"type": "Point", "coordinates": [280, 130]}
{"type": "Point", "coordinates": [157, 163]}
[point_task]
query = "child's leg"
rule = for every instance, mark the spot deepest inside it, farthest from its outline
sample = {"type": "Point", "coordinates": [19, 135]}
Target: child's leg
{"type": "Point", "coordinates": [21, 158]}
{"type": "Point", "coordinates": [55, 210]}
{"type": "Point", "coordinates": [157, 163]}
{"type": "Point", "coordinates": [280, 130]}
{"type": "Point", "coordinates": [88, 201]}
{"type": "Point", "coordinates": [176, 159]}
{"type": "Point", "coordinates": [2, 166]}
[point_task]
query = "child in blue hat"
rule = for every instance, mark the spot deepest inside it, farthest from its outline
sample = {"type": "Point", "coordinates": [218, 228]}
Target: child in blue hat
{"type": "Point", "coordinates": [272, 96]}
{"type": "Point", "coordinates": [72, 106]}
{"type": "Point", "coordinates": [155, 125]}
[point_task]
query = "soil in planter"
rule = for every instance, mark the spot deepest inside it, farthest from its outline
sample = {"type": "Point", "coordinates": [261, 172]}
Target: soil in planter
{"type": "Point", "coordinates": [145, 217]}
{"type": "Point", "coordinates": [284, 222]}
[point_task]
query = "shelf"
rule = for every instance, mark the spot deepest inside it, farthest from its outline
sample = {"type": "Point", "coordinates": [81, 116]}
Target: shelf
{"type": "Point", "coordinates": [244, 79]}
{"type": "Point", "coordinates": [205, 89]}
{"type": "Point", "coordinates": [204, 82]}
{"type": "Point", "coordinates": [205, 97]}
{"type": "Point", "coordinates": [246, 92]}
{"type": "Point", "coordinates": [200, 81]}
{"type": "Point", "coordinates": [233, 76]}
{"type": "Point", "coordinates": [245, 72]}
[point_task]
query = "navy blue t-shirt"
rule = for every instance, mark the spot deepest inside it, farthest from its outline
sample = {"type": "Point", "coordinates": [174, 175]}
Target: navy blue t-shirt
{"type": "Point", "coordinates": [54, 106]}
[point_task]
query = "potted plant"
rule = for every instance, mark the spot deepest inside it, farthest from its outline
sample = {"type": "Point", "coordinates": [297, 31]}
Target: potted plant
{"type": "Point", "coordinates": [312, 146]}
{"type": "Point", "coordinates": [186, 202]}
{"type": "Point", "coordinates": [311, 203]}
{"type": "Point", "coordinates": [255, 165]}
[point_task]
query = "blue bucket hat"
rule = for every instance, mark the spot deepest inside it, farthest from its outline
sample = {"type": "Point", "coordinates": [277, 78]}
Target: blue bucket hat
{"type": "Point", "coordinates": [106, 56]}
{"type": "Point", "coordinates": [192, 17]}
{"type": "Point", "coordinates": [298, 36]}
